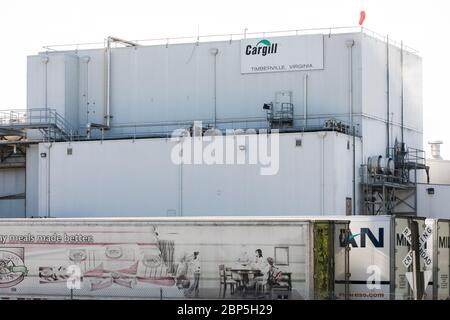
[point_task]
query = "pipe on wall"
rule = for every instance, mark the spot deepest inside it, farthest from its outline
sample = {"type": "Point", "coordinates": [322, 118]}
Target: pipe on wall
{"type": "Point", "coordinates": [44, 60]}
{"type": "Point", "coordinates": [401, 91]}
{"type": "Point", "coordinates": [214, 52]}
{"type": "Point", "coordinates": [322, 136]}
{"type": "Point", "coordinates": [350, 44]}
{"type": "Point", "coordinates": [181, 184]}
{"type": "Point", "coordinates": [388, 99]}
{"type": "Point", "coordinates": [109, 41]}
{"type": "Point", "coordinates": [305, 101]}
{"type": "Point", "coordinates": [108, 84]}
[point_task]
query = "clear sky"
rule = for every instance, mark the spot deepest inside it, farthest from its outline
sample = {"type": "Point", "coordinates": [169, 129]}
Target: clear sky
{"type": "Point", "coordinates": [26, 26]}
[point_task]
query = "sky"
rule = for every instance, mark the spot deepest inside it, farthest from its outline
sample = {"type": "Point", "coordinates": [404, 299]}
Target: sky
{"type": "Point", "coordinates": [26, 26]}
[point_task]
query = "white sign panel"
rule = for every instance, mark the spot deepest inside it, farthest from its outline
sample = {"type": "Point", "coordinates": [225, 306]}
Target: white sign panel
{"type": "Point", "coordinates": [428, 232]}
{"type": "Point", "coordinates": [281, 54]}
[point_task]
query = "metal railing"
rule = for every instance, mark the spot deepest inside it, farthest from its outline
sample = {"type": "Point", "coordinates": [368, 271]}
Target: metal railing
{"type": "Point", "coordinates": [36, 118]}
{"type": "Point", "coordinates": [231, 37]}
{"type": "Point", "coordinates": [331, 122]}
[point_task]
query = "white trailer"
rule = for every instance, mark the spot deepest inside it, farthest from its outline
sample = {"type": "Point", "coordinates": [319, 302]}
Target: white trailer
{"type": "Point", "coordinates": [172, 258]}
{"type": "Point", "coordinates": [441, 258]}
{"type": "Point", "coordinates": [383, 261]}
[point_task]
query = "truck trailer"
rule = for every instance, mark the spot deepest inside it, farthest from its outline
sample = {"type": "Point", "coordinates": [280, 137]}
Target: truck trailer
{"type": "Point", "coordinates": [173, 258]}
{"type": "Point", "coordinates": [398, 258]}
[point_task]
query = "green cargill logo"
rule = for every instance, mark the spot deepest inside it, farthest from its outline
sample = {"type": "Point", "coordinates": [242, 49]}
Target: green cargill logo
{"type": "Point", "coordinates": [263, 48]}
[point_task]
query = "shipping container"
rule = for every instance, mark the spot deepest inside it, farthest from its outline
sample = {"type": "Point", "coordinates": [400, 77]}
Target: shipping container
{"type": "Point", "coordinates": [173, 258]}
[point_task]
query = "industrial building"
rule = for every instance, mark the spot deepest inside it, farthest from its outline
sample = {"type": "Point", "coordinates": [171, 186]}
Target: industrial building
{"type": "Point", "coordinates": [96, 138]}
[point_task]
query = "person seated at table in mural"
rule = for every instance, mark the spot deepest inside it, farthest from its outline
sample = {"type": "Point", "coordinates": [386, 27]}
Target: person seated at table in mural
{"type": "Point", "coordinates": [270, 275]}
{"type": "Point", "coordinates": [259, 263]}
{"type": "Point", "coordinates": [274, 275]}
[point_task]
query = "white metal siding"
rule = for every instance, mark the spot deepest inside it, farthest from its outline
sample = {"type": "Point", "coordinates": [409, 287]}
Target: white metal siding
{"type": "Point", "coordinates": [12, 182]}
{"type": "Point", "coordinates": [32, 175]}
{"type": "Point", "coordinates": [126, 178]}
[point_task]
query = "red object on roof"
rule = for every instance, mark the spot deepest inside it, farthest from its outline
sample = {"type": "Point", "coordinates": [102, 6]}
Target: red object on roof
{"type": "Point", "coordinates": [362, 17]}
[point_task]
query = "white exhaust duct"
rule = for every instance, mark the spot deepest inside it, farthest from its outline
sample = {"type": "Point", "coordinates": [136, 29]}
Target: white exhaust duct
{"type": "Point", "coordinates": [436, 149]}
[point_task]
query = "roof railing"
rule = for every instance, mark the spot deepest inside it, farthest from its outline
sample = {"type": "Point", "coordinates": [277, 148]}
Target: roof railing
{"type": "Point", "coordinates": [230, 37]}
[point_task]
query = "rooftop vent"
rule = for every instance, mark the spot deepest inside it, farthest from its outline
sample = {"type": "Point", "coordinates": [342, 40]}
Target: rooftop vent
{"type": "Point", "coordinates": [436, 149]}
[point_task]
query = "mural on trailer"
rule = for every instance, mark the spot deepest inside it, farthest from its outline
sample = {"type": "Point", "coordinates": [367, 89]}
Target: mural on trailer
{"type": "Point", "coordinates": [154, 261]}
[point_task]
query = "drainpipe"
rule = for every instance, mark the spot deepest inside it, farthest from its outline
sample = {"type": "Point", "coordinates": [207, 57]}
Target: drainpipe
{"type": "Point", "coordinates": [322, 136]}
{"type": "Point", "coordinates": [108, 83]}
{"type": "Point", "coordinates": [181, 184]}
{"type": "Point", "coordinates": [388, 98]}
{"type": "Point", "coordinates": [401, 90]}
{"type": "Point", "coordinates": [110, 40]}
{"type": "Point", "coordinates": [350, 44]}
{"type": "Point", "coordinates": [305, 101]}
{"type": "Point", "coordinates": [214, 52]}
{"type": "Point", "coordinates": [44, 60]}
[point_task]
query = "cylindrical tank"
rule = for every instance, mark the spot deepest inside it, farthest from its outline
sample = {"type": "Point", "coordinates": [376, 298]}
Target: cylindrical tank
{"type": "Point", "coordinates": [374, 164]}
{"type": "Point", "coordinates": [389, 166]}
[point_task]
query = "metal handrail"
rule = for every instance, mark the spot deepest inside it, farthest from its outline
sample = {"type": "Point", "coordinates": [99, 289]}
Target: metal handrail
{"type": "Point", "coordinates": [36, 116]}
{"type": "Point", "coordinates": [233, 36]}
{"type": "Point", "coordinates": [166, 128]}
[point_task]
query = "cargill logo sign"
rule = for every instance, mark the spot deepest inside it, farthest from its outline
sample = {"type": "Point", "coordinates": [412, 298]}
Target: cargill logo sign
{"type": "Point", "coordinates": [263, 48]}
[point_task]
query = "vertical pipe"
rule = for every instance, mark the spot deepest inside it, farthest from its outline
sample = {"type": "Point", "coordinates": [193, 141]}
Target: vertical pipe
{"type": "Point", "coordinates": [108, 82]}
{"type": "Point", "coordinates": [401, 91]}
{"type": "Point", "coordinates": [109, 40]}
{"type": "Point", "coordinates": [44, 60]}
{"type": "Point", "coordinates": [181, 179]}
{"type": "Point", "coordinates": [48, 179]}
{"type": "Point", "coordinates": [214, 52]}
{"type": "Point", "coordinates": [305, 101]}
{"type": "Point", "coordinates": [46, 87]}
{"type": "Point", "coordinates": [350, 44]}
{"type": "Point", "coordinates": [388, 97]}
{"type": "Point", "coordinates": [322, 136]}
{"type": "Point", "coordinates": [354, 173]}
{"type": "Point", "coordinates": [215, 90]}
